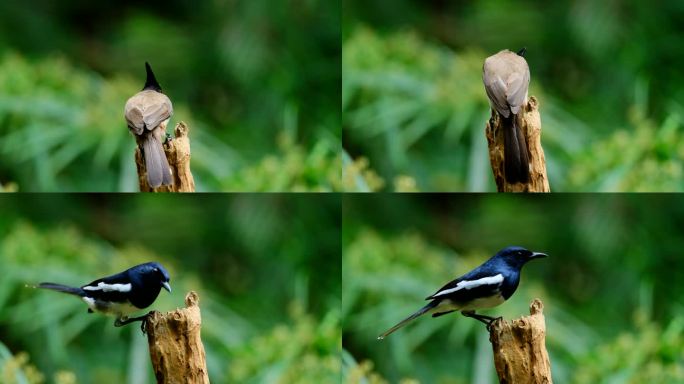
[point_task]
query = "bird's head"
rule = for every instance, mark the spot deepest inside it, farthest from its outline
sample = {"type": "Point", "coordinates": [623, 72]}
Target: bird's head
{"type": "Point", "coordinates": [154, 273]}
{"type": "Point", "coordinates": [518, 256]}
{"type": "Point", "coordinates": [151, 81]}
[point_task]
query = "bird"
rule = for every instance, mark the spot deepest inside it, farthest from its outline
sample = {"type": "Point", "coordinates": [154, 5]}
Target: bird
{"type": "Point", "coordinates": [147, 113]}
{"type": "Point", "coordinates": [506, 78]}
{"type": "Point", "coordinates": [121, 294]}
{"type": "Point", "coordinates": [486, 286]}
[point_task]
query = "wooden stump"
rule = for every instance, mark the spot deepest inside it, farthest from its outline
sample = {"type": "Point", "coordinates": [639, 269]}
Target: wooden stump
{"type": "Point", "coordinates": [519, 347]}
{"type": "Point", "coordinates": [177, 153]}
{"type": "Point", "coordinates": [176, 348]}
{"type": "Point", "coordinates": [530, 123]}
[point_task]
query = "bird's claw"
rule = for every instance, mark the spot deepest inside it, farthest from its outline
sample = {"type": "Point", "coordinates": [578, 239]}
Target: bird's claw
{"type": "Point", "coordinates": [143, 325]}
{"type": "Point", "coordinates": [491, 322]}
{"type": "Point", "coordinates": [142, 319]}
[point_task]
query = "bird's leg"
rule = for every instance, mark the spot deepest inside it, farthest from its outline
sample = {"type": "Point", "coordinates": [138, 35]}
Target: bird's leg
{"type": "Point", "coordinates": [121, 321]}
{"type": "Point", "coordinates": [483, 318]}
{"type": "Point", "coordinates": [487, 320]}
{"type": "Point", "coordinates": [491, 119]}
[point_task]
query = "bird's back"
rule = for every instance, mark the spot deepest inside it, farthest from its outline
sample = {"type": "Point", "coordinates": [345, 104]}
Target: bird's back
{"type": "Point", "coordinates": [506, 76]}
{"type": "Point", "coordinates": [146, 110]}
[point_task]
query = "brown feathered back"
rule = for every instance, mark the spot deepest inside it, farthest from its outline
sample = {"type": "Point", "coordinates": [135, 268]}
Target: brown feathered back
{"type": "Point", "coordinates": [147, 110]}
{"type": "Point", "coordinates": [506, 77]}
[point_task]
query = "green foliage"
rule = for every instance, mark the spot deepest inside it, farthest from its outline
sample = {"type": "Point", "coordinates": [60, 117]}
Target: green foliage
{"type": "Point", "coordinates": [292, 169]}
{"type": "Point", "coordinates": [16, 369]}
{"type": "Point", "coordinates": [305, 351]}
{"type": "Point", "coordinates": [647, 157]}
{"type": "Point", "coordinates": [647, 354]}
{"type": "Point", "coordinates": [35, 100]}
{"type": "Point", "coordinates": [395, 108]}
{"type": "Point", "coordinates": [357, 176]}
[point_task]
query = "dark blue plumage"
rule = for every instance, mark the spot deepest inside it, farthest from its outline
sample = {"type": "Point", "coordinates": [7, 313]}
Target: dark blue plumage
{"type": "Point", "coordinates": [121, 294]}
{"type": "Point", "coordinates": [486, 286]}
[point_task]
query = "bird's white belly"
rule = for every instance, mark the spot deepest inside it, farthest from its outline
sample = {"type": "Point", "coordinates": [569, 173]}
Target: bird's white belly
{"type": "Point", "coordinates": [484, 302]}
{"type": "Point", "coordinates": [110, 308]}
{"type": "Point", "coordinates": [481, 303]}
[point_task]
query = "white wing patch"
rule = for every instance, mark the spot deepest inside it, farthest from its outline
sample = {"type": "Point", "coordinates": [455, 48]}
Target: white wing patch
{"type": "Point", "coordinates": [91, 302]}
{"type": "Point", "coordinates": [104, 287]}
{"type": "Point", "coordinates": [470, 284]}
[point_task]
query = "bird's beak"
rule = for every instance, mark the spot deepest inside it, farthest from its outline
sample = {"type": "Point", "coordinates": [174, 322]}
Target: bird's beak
{"type": "Point", "coordinates": [166, 286]}
{"type": "Point", "coordinates": [537, 255]}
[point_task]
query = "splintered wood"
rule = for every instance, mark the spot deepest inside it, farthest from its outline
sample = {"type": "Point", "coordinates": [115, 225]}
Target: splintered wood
{"type": "Point", "coordinates": [519, 347]}
{"type": "Point", "coordinates": [530, 123]}
{"type": "Point", "coordinates": [177, 153]}
{"type": "Point", "coordinates": [175, 344]}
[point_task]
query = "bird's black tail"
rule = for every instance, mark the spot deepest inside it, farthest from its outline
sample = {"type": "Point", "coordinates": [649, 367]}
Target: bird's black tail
{"type": "Point", "coordinates": [516, 158]}
{"type": "Point", "coordinates": [418, 313]}
{"type": "Point", "coordinates": [63, 288]}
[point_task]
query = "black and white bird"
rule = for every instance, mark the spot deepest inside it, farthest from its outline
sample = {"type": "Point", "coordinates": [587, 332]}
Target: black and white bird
{"type": "Point", "coordinates": [486, 286]}
{"type": "Point", "coordinates": [122, 294]}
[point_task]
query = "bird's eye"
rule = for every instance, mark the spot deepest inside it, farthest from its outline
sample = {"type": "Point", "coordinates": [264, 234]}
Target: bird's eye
{"type": "Point", "coordinates": [156, 269]}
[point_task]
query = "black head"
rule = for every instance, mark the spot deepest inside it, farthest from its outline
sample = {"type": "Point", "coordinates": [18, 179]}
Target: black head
{"type": "Point", "coordinates": [521, 52]}
{"type": "Point", "coordinates": [153, 273]}
{"type": "Point", "coordinates": [151, 82]}
{"type": "Point", "coordinates": [518, 256]}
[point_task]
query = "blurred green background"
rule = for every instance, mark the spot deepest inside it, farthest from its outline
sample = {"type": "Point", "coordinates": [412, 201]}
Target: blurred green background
{"type": "Point", "coordinates": [266, 268]}
{"type": "Point", "coordinates": [258, 82]}
{"type": "Point", "coordinates": [612, 284]}
{"type": "Point", "coordinates": [607, 75]}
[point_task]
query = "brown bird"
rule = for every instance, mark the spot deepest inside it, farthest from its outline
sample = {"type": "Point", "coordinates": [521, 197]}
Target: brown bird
{"type": "Point", "coordinates": [506, 78]}
{"type": "Point", "coordinates": [147, 114]}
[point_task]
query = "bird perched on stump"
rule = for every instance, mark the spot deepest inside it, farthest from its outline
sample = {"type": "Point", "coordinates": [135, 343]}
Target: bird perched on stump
{"type": "Point", "coordinates": [486, 286]}
{"type": "Point", "coordinates": [147, 114]}
{"type": "Point", "coordinates": [122, 294]}
{"type": "Point", "coordinates": [506, 78]}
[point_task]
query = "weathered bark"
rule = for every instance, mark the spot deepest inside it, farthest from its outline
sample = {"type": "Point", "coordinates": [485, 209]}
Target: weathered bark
{"type": "Point", "coordinates": [519, 346]}
{"type": "Point", "coordinates": [530, 123]}
{"type": "Point", "coordinates": [176, 348]}
{"type": "Point", "coordinates": [177, 153]}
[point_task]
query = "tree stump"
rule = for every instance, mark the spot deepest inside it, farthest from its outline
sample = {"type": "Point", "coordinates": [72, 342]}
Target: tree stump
{"type": "Point", "coordinates": [530, 123]}
{"type": "Point", "coordinates": [177, 153]}
{"type": "Point", "coordinates": [176, 348]}
{"type": "Point", "coordinates": [519, 347]}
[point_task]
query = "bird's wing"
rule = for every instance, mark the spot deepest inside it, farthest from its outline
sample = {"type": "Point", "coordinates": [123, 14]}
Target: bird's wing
{"type": "Point", "coordinates": [497, 91]}
{"type": "Point", "coordinates": [115, 288]}
{"type": "Point", "coordinates": [134, 119]}
{"type": "Point", "coordinates": [474, 284]}
{"type": "Point", "coordinates": [156, 113]}
{"type": "Point", "coordinates": [517, 90]}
